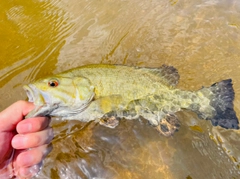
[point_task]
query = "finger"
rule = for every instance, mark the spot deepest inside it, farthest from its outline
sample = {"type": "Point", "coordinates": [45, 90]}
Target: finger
{"type": "Point", "coordinates": [13, 114]}
{"type": "Point", "coordinates": [31, 157]}
{"type": "Point", "coordinates": [24, 141]}
{"type": "Point", "coordinates": [33, 125]}
{"type": "Point", "coordinates": [28, 172]}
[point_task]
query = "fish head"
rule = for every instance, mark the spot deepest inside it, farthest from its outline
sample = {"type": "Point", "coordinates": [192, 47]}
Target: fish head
{"type": "Point", "coordinates": [59, 95]}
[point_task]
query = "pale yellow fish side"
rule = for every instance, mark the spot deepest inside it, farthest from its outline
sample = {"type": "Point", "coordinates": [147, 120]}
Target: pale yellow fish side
{"type": "Point", "coordinates": [129, 82]}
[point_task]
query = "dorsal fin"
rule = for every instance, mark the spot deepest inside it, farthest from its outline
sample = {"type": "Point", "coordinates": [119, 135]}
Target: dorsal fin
{"type": "Point", "coordinates": [168, 74]}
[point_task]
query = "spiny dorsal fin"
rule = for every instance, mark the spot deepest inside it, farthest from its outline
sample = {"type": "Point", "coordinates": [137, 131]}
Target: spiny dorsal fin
{"type": "Point", "coordinates": [168, 74]}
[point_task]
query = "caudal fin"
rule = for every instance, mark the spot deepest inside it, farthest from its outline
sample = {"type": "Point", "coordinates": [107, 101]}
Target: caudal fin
{"type": "Point", "coordinates": [221, 97]}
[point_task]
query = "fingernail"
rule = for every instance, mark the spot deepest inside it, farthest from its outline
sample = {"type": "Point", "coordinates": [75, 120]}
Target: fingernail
{"type": "Point", "coordinates": [51, 132]}
{"type": "Point", "coordinates": [27, 160]}
{"type": "Point", "coordinates": [50, 135]}
{"type": "Point", "coordinates": [47, 150]}
{"type": "Point", "coordinates": [19, 141]}
{"type": "Point", "coordinates": [26, 127]}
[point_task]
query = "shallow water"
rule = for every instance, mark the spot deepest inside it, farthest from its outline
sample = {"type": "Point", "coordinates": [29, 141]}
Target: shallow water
{"type": "Point", "coordinates": [200, 38]}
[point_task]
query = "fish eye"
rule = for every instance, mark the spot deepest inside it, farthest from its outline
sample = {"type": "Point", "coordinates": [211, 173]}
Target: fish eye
{"type": "Point", "coordinates": [53, 83]}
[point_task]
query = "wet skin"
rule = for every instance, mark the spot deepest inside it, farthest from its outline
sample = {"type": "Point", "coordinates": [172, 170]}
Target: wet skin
{"type": "Point", "coordinates": [28, 139]}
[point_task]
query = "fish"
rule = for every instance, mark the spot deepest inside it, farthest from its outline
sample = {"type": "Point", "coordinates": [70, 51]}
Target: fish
{"type": "Point", "coordinates": [107, 93]}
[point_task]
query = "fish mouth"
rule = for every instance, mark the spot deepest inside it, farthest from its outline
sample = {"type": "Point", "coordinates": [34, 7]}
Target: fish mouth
{"type": "Point", "coordinates": [30, 91]}
{"type": "Point", "coordinates": [37, 96]}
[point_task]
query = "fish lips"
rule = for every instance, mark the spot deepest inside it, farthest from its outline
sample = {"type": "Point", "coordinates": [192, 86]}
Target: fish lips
{"type": "Point", "coordinates": [29, 89]}
{"type": "Point", "coordinates": [35, 95]}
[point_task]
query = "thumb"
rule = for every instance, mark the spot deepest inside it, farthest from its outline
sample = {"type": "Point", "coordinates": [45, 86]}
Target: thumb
{"type": "Point", "coordinates": [10, 117]}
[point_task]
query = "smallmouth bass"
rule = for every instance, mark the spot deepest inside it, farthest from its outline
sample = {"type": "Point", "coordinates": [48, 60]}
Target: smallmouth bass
{"type": "Point", "coordinates": [107, 93]}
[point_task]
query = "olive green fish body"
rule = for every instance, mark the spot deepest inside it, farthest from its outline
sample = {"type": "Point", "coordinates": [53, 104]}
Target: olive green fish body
{"type": "Point", "coordinates": [106, 93]}
{"type": "Point", "coordinates": [129, 82]}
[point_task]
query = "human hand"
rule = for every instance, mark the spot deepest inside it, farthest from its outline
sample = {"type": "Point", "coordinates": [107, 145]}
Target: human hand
{"type": "Point", "coordinates": [23, 143]}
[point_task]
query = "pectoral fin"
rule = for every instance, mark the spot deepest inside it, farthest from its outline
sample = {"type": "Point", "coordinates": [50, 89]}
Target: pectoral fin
{"type": "Point", "coordinates": [168, 125]}
{"type": "Point", "coordinates": [111, 119]}
{"type": "Point", "coordinates": [110, 122]}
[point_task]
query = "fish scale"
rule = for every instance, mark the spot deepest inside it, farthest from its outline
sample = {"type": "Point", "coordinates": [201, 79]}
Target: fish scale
{"type": "Point", "coordinates": [122, 81]}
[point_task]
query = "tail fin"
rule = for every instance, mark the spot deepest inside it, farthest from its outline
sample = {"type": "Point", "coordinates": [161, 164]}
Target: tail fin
{"type": "Point", "coordinates": [221, 97]}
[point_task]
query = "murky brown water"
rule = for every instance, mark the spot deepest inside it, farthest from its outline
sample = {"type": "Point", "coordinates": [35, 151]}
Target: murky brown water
{"type": "Point", "coordinates": [200, 38]}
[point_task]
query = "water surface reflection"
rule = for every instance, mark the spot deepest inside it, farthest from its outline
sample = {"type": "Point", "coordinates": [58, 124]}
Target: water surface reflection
{"type": "Point", "coordinates": [200, 38]}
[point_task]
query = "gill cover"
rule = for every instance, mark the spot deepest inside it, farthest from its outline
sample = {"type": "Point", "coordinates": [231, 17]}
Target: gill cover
{"type": "Point", "coordinates": [83, 94]}
{"type": "Point", "coordinates": [84, 90]}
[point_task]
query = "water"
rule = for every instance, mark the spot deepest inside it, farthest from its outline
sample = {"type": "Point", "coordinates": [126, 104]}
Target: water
{"type": "Point", "coordinates": [200, 38]}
